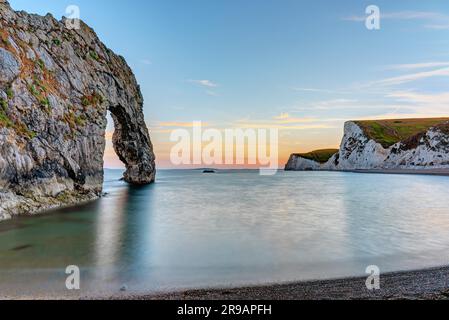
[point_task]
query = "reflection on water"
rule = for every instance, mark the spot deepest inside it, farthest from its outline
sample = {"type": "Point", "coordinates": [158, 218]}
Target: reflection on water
{"type": "Point", "coordinates": [230, 228]}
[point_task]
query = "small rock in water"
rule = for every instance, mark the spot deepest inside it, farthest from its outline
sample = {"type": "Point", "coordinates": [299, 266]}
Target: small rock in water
{"type": "Point", "coordinates": [22, 247]}
{"type": "Point", "coordinates": [124, 288]}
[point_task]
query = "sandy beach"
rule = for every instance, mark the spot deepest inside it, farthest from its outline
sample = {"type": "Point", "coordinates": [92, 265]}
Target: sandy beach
{"type": "Point", "coordinates": [430, 284]}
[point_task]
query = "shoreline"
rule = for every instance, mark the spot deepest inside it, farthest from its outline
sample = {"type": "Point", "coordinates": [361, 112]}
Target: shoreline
{"type": "Point", "coordinates": [429, 284]}
{"type": "Point", "coordinates": [427, 172]}
{"type": "Point", "coordinates": [425, 284]}
{"type": "Point", "coordinates": [423, 172]}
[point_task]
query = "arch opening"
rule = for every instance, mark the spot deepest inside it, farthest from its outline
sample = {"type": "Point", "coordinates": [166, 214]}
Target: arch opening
{"type": "Point", "coordinates": [129, 145]}
{"type": "Point", "coordinates": [110, 158]}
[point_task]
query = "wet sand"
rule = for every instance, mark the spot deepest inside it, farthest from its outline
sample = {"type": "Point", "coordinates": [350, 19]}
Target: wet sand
{"type": "Point", "coordinates": [430, 284]}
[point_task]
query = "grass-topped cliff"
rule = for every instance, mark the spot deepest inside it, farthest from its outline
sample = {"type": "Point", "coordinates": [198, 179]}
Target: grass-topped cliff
{"type": "Point", "coordinates": [320, 156]}
{"type": "Point", "coordinates": [419, 144]}
{"type": "Point", "coordinates": [389, 132]}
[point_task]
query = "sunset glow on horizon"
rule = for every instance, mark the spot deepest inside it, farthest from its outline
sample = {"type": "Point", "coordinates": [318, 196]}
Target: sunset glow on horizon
{"type": "Point", "coordinates": [286, 69]}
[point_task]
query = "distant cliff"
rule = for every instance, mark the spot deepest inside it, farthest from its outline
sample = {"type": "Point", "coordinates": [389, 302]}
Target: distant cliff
{"type": "Point", "coordinates": [386, 144]}
{"type": "Point", "coordinates": [315, 160]}
{"type": "Point", "coordinates": [56, 86]}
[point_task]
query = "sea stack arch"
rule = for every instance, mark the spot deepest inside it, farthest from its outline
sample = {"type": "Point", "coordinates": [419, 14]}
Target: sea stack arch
{"type": "Point", "coordinates": [56, 87]}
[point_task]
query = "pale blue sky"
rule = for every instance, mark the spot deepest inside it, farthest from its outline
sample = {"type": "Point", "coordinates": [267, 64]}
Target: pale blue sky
{"type": "Point", "coordinates": [276, 62]}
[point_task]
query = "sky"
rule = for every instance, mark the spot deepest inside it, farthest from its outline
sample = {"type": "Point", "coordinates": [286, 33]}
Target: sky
{"type": "Point", "coordinates": [303, 67]}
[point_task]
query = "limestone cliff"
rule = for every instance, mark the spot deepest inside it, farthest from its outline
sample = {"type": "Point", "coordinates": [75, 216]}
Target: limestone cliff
{"type": "Point", "coordinates": [56, 87]}
{"type": "Point", "coordinates": [427, 149]}
{"type": "Point", "coordinates": [297, 163]}
{"type": "Point", "coordinates": [315, 160]}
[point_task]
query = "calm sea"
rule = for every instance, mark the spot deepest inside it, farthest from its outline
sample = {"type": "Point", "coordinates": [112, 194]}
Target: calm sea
{"type": "Point", "coordinates": [192, 230]}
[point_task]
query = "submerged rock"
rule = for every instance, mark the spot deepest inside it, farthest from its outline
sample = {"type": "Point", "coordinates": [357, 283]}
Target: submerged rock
{"type": "Point", "coordinates": [56, 87]}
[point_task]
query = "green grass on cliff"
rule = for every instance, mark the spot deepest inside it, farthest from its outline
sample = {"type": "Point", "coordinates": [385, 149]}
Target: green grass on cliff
{"type": "Point", "coordinates": [389, 132]}
{"type": "Point", "coordinates": [6, 122]}
{"type": "Point", "coordinates": [4, 119]}
{"type": "Point", "coordinates": [321, 156]}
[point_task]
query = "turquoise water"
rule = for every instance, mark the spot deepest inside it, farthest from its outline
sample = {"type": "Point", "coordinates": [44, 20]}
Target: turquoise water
{"type": "Point", "coordinates": [231, 228]}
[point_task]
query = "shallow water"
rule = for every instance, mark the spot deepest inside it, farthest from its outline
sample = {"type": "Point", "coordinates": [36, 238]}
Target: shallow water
{"type": "Point", "coordinates": [231, 228]}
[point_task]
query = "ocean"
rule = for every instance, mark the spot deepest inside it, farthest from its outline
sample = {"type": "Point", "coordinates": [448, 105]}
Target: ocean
{"type": "Point", "coordinates": [231, 228]}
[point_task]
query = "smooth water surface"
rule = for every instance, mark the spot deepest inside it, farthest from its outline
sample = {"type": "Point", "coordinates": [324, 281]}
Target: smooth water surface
{"type": "Point", "coordinates": [231, 228]}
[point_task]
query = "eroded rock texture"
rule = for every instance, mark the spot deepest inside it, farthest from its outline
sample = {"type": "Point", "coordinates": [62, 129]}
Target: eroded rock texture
{"type": "Point", "coordinates": [56, 86]}
{"type": "Point", "coordinates": [298, 163]}
{"type": "Point", "coordinates": [424, 151]}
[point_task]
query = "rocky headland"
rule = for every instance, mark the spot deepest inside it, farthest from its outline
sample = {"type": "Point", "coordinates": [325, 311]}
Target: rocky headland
{"type": "Point", "coordinates": [398, 144]}
{"type": "Point", "coordinates": [57, 85]}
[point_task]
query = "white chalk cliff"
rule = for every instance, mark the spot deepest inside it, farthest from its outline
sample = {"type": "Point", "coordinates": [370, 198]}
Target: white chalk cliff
{"type": "Point", "coordinates": [426, 150]}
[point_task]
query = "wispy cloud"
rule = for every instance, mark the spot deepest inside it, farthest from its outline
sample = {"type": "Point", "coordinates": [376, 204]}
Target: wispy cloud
{"type": "Point", "coordinates": [443, 72]}
{"type": "Point", "coordinates": [437, 99]}
{"type": "Point", "coordinates": [270, 125]}
{"type": "Point", "coordinates": [285, 121]}
{"type": "Point", "coordinates": [178, 124]}
{"type": "Point", "coordinates": [282, 116]}
{"type": "Point", "coordinates": [424, 104]}
{"type": "Point", "coordinates": [146, 62]}
{"type": "Point", "coordinates": [332, 104]}
{"type": "Point", "coordinates": [435, 20]}
{"type": "Point", "coordinates": [438, 26]}
{"type": "Point", "coordinates": [423, 65]}
{"type": "Point", "coordinates": [318, 90]}
{"type": "Point", "coordinates": [285, 118]}
{"type": "Point", "coordinates": [203, 83]}
{"type": "Point", "coordinates": [211, 93]}
{"type": "Point", "coordinates": [352, 105]}
{"type": "Point", "coordinates": [402, 15]}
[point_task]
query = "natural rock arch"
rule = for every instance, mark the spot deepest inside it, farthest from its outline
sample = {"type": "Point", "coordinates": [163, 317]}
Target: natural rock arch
{"type": "Point", "coordinates": [132, 144]}
{"type": "Point", "coordinates": [56, 87]}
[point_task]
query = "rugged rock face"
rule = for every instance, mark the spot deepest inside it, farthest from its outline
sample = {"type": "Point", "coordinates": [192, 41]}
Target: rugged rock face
{"type": "Point", "coordinates": [298, 163]}
{"type": "Point", "coordinates": [427, 150]}
{"type": "Point", "coordinates": [357, 151]}
{"type": "Point", "coordinates": [56, 86]}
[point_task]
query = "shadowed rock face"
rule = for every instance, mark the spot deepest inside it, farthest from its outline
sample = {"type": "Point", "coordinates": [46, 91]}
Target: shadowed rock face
{"type": "Point", "coordinates": [56, 86]}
